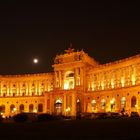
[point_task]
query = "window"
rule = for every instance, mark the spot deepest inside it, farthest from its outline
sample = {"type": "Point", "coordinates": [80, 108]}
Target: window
{"type": "Point", "coordinates": [133, 101]}
{"type": "Point", "coordinates": [48, 104]}
{"type": "Point", "coordinates": [2, 109]}
{"type": "Point", "coordinates": [40, 108]}
{"type": "Point", "coordinates": [21, 108]}
{"type": "Point", "coordinates": [31, 108]}
{"type": "Point", "coordinates": [4, 85]}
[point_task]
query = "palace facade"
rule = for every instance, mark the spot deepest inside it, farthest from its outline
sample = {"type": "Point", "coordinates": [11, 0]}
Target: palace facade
{"type": "Point", "coordinates": [78, 84]}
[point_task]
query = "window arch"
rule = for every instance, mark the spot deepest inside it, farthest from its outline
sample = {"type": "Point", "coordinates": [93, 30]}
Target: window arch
{"type": "Point", "coordinates": [69, 80]}
{"type": "Point", "coordinates": [21, 108]}
{"type": "Point", "coordinates": [31, 108]}
{"type": "Point", "coordinates": [103, 104]}
{"type": "Point", "coordinates": [133, 101]}
{"type": "Point", "coordinates": [2, 109]}
{"type": "Point", "coordinates": [40, 108]}
{"type": "Point", "coordinates": [12, 108]}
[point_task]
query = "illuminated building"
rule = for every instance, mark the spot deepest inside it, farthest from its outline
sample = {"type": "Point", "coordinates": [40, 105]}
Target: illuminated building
{"type": "Point", "coordinates": [77, 84]}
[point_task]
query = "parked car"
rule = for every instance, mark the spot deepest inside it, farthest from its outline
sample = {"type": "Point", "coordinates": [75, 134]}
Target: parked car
{"type": "Point", "coordinates": [134, 115]}
{"type": "Point", "coordinates": [114, 115]}
{"type": "Point", "coordinates": [45, 117]}
{"type": "Point", "coordinates": [25, 117]}
{"type": "Point", "coordinates": [1, 118]}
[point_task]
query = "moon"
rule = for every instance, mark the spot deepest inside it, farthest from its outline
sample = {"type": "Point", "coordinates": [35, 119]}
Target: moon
{"type": "Point", "coordinates": [35, 60]}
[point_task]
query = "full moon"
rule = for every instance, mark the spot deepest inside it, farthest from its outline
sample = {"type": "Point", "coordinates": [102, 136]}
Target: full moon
{"type": "Point", "coordinates": [35, 60]}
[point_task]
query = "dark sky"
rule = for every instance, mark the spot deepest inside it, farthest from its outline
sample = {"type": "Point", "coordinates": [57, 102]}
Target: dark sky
{"type": "Point", "coordinates": [106, 30]}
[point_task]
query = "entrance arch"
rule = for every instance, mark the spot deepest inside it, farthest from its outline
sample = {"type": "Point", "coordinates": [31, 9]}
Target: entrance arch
{"type": "Point", "coordinates": [12, 108]}
{"type": "Point", "coordinates": [123, 103]}
{"type": "Point", "coordinates": [78, 107]}
{"type": "Point", "coordinates": [103, 104]}
{"type": "Point", "coordinates": [93, 105]}
{"type": "Point", "coordinates": [112, 104]}
{"type": "Point", "coordinates": [69, 80]}
{"type": "Point", "coordinates": [58, 107]}
{"type": "Point", "coordinates": [40, 108]}
{"type": "Point", "coordinates": [31, 108]}
{"type": "Point", "coordinates": [21, 108]}
{"type": "Point", "coordinates": [133, 102]}
{"type": "Point", "coordinates": [2, 109]}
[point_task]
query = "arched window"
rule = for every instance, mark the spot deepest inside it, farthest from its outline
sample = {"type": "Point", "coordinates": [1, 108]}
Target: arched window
{"type": "Point", "coordinates": [12, 108]}
{"type": "Point", "coordinates": [69, 80]}
{"type": "Point", "coordinates": [123, 102]}
{"type": "Point", "coordinates": [78, 107]}
{"type": "Point", "coordinates": [2, 109]}
{"type": "Point", "coordinates": [112, 103]}
{"type": "Point", "coordinates": [133, 101]}
{"type": "Point", "coordinates": [4, 94]}
{"type": "Point", "coordinates": [93, 105]}
{"type": "Point", "coordinates": [40, 108]}
{"type": "Point", "coordinates": [103, 103]}
{"type": "Point", "coordinates": [21, 108]}
{"type": "Point", "coordinates": [31, 108]}
{"type": "Point", "coordinates": [48, 104]}
{"type": "Point", "coordinates": [58, 106]}
{"type": "Point", "coordinates": [70, 75]}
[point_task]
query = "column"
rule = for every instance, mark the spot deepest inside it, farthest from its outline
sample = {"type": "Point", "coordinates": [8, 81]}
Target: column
{"type": "Point", "coordinates": [60, 80]}
{"type": "Point", "coordinates": [20, 86]}
{"type": "Point", "coordinates": [77, 76]}
{"type": "Point", "coordinates": [73, 109]}
{"type": "Point", "coordinates": [0, 88]}
{"type": "Point", "coordinates": [137, 75]}
{"type": "Point", "coordinates": [29, 87]}
{"type": "Point", "coordinates": [17, 88]}
{"type": "Point", "coordinates": [74, 77]}
{"type": "Point", "coordinates": [8, 88]}
{"type": "Point", "coordinates": [133, 77]}
{"type": "Point", "coordinates": [51, 104]}
{"type": "Point", "coordinates": [36, 87]}
{"type": "Point", "coordinates": [45, 105]}
{"type": "Point", "coordinates": [130, 74]}
{"type": "Point", "coordinates": [45, 85]}
{"type": "Point", "coordinates": [18, 92]}
{"type": "Point", "coordinates": [64, 102]}
{"type": "Point", "coordinates": [26, 88]}
{"type": "Point", "coordinates": [81, 76]}
{"type": "Point", "coordinates": [39, 87]}
{"type": "Point", "coordinates": [55, 80]}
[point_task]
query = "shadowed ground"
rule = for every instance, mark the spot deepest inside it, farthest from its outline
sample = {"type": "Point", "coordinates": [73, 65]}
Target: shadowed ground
{"type": "Point", "coordinates": [109, 129]}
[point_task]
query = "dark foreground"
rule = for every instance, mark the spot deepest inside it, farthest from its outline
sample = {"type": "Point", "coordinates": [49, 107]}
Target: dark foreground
{"type": "Point", "coordinates": [108, 129]}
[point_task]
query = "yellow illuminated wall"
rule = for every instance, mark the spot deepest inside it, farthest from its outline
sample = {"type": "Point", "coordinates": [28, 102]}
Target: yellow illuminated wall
{"type": "Point", "coordinates": [79, 82]}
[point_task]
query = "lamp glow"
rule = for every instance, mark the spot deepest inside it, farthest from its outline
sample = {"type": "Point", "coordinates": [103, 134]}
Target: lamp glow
{"type": "Point", "coordinates": [35, 60]}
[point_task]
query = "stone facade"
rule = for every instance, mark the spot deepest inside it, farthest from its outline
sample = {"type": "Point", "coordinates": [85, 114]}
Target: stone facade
{"type": "Point", "coordinates": [78, 84]}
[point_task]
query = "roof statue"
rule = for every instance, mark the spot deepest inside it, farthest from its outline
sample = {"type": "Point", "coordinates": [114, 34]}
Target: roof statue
{"type": "Point", "coordinates": [70, 49]}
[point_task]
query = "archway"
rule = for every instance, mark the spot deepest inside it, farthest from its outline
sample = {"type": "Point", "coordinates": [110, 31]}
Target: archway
{"type": "Point", "coordinates": [123, 104]}
{"type": "Point", "coordinates": [103, 104]}
{"type": "Point", "coordinates": [2, 109]}
{"type": "Point", "coordinates": [93, 105]}
{"type": "Point", "coordinates": [69, 80]}
{"type": "Point", "coordinates": [21, 108]}
{"type": "Point", "coordinates": [112, 104]}
{"type": "Point", "coordinates": [133, 102]}
{"type": "Point", "coordinates": [31, 108]}
{"type": "Point", "coordinates": [78, 107]}
{"type": "Point", "coordinates": [58, 107]}
{"type": "Point", "coordinates": [12, 108]}
{"type": "Point", "coordinates": [40, 108]}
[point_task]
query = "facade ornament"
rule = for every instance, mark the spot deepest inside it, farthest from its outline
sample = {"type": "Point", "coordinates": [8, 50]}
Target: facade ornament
{"type": "Point", "coordinates": [70, 49]}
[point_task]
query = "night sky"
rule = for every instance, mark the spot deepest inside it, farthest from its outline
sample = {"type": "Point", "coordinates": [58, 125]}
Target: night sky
{"type": "Point", "coordinates": [107, 31]}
